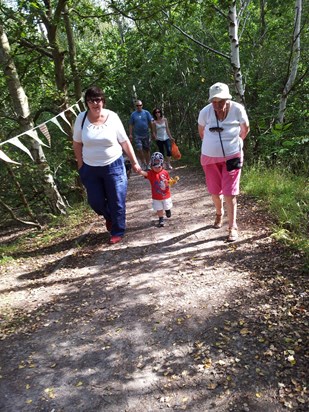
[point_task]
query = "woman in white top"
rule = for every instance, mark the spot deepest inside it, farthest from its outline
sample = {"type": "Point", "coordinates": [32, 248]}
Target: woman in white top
{"type": "Point", "coordinates": [99, 140]}
{"type": "Point", "coordinates": [222, 125]}
{"type": "Point", "coordinates": [162, 135]}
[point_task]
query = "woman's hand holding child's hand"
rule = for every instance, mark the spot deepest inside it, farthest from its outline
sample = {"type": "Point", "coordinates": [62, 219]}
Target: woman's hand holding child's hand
{"type": "Point", "coordinates": [136, 167]}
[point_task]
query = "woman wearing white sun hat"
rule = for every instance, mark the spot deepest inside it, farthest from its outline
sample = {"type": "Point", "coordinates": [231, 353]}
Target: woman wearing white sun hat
{"type": "Point", "coordinates": [222, 125]}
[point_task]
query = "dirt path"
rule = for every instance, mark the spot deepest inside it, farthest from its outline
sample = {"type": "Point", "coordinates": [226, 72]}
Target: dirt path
{"type": "Point", "coordinates": [172, 318]}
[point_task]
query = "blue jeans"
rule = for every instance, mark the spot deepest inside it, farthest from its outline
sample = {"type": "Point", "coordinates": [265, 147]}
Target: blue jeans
{"type": "Point", "coordinates": [106, 188]}
{"type": "Point", "coordinates": [164, 144]}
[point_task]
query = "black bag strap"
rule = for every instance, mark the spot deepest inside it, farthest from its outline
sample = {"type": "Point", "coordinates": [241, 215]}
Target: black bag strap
{"type": "Point", "coordinates": [84, 118]}
{"type": "Point", "coordinates": [220, 135]}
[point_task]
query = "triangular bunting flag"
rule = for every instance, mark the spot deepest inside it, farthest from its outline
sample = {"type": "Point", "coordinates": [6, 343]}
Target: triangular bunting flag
{"type": "Point", "coordinates": [54, 120]}
{"type": "Point", "coordinates": [77, 106]}
{"type": "Point", "coordinates": [72, 110]}
{"type": "Point", "coordinates": [45, 132]}
{"type": "Point", "coordinates": [34, 136]}
{"type": "Point", "coordinates": [4, 157]}
{"type": "Point", "coordinates": [64, 118]}
{"type": "Point", "coordinates": [16, 142]}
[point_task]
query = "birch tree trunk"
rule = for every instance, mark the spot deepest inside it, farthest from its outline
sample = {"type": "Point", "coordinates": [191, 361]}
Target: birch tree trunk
{"type": "Point", "coordinates": [235, 59]}
{"type": "Point", "coordinates": [23, 117]}
{"type": "Point", "coordinates": [293, 63]}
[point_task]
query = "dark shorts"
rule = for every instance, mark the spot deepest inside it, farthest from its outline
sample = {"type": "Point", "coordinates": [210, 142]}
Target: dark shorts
{"type": "Point", "coordinates": [142, 142]}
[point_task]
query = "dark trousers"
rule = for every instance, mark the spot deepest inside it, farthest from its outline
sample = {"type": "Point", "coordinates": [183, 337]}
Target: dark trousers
{"type": "Point", "coordinates": [106, 188]}
{"type": "Point", "coordinates": [164, 144]}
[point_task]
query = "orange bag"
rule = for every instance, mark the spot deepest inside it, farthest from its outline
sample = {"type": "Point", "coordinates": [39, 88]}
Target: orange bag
{"type": "Point", "coordinates": [175, 151]}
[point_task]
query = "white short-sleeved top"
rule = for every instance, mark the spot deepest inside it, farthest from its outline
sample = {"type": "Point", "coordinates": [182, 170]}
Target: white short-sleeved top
{"type": "Point", "coordinates": [101, 143]}
{"type": "Point", "coordinates": [161, 131]}
{"type": "Point", "coordinates": [232, 142]}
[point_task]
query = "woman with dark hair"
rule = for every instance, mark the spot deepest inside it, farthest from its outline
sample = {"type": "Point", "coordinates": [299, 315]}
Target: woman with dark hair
{"type": "Point", "coordinates": [162, 135]}
{"type": "Point", "coordinates": [99, 140]}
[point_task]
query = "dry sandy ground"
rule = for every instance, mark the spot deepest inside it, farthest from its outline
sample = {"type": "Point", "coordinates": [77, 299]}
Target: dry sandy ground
{"type": "Point", "coordinates": [172, 318]}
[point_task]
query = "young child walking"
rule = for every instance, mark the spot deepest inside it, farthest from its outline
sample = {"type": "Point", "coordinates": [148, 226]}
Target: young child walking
{"type": "Point", "coordinates": [160, 187]}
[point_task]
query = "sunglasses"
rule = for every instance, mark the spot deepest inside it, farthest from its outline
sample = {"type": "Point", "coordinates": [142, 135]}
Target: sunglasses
{"type": "Point", "coordinates": [216, 129]}
{"type": "Point", "coordinates": [96, 100]}
{"type": "Point", "coordinates": [139, 105]}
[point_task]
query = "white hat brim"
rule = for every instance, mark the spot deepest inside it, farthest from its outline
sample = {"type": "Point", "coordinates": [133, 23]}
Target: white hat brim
{"type": "Point", "coordinates": [222, 96]}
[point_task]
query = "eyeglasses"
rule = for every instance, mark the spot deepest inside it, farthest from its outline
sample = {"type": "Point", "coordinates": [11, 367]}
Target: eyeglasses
{"type": "Point", "coordinates": [157, 111]}
{"type": "Point", "coordinates": [216, 129]}
{"type": "Point", "coordinates": [138, 105]}
{"type": "Point", "coordinates": [95, 100]}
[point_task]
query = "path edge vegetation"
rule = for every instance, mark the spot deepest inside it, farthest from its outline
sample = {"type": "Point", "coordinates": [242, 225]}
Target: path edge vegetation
{"type": "Point", "coordinates": [285, 197]}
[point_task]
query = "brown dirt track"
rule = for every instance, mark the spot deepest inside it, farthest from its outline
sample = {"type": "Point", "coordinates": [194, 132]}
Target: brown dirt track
{"type": "Point", "coordinates": [172, 318]}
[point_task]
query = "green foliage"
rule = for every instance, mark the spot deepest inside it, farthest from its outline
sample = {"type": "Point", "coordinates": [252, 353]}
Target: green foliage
{"type": "Point", "coordinates": [286, 196]}
{"type": "Point", "coordinates": [285, 146]}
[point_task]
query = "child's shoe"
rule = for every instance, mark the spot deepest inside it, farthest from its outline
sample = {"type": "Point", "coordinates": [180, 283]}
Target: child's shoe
{"type": "Point", "coordinates": [168, 213]}
{"type": "Point", "coordinates": [161, 222]}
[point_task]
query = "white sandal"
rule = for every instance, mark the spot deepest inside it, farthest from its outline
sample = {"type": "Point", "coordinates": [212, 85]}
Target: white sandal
{"type": "Point", "coordinates": [233, 234]}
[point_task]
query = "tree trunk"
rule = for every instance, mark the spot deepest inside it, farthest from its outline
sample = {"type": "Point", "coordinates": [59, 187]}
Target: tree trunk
{"type": "Point", "coordinates": [21, 107]}
{"type": "Point", "coordinates": [235, 60]}
{"type": "Point", "coordinates": [293, 63]}
{"type": "Point", "coordinates": [72, 54]}
{"type": "Point", "coordinates": [51, 19]}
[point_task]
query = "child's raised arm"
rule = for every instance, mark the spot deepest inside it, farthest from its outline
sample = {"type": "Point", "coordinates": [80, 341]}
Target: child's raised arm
{"type": "Point", "coordinates": [143, 173]}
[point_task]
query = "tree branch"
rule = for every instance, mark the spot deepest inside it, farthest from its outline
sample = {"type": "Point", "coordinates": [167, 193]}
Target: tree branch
{"type": "Point", "coordinates": [12, 214]}
{"type": "Point", "coordinates": [188, 36]}
{"type": "Point", "coordinates": [32, 46]}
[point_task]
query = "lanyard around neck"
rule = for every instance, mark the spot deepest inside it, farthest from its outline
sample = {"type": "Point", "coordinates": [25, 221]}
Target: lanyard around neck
{"type": "Point", "coordinates": [220, 135]}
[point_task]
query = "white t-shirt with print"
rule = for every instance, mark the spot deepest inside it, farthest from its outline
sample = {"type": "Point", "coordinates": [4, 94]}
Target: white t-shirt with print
{"type": "Point", "coordinates": [101, 143]}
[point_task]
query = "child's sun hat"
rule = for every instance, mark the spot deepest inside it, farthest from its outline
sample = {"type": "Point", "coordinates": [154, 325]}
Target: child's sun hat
{"type": "Point", "coordinates": [156, 159]}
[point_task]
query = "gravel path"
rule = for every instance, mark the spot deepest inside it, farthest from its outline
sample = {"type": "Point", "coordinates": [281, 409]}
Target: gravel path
{"type": "Point", "coordinates": [172, 318]}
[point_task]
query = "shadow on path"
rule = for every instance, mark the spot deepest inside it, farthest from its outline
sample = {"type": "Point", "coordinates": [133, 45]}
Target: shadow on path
{"type": "Point", "coordinates": [171, 319]}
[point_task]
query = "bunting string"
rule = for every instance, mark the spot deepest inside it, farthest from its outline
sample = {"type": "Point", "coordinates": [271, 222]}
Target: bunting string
{"type": "Point", "coordinates": [43, 129]}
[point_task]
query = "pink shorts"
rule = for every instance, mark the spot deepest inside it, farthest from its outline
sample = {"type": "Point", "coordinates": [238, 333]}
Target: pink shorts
{"type": "Point", "coordinates": [221, 182]}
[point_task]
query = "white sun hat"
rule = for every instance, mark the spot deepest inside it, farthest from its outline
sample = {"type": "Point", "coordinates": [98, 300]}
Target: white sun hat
{"type": "Point", "coordinates": [220, 91]}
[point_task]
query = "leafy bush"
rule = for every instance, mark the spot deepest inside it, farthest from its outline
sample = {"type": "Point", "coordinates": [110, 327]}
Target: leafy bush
{"type": "Point", "coordinates": [286, 196]}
